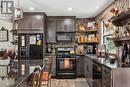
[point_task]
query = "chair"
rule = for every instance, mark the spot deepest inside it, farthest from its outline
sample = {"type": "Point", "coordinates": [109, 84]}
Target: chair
{"type": "Point", "coordinates": [32, 81]}
{"type": "Point", "coordinates": [45, 75]}
{"type": "Point", "coordinates": [9, 53]}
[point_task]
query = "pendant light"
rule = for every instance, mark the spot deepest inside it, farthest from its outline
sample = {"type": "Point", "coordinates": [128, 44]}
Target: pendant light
{"type": "Point", "coordinates": [18, 14]}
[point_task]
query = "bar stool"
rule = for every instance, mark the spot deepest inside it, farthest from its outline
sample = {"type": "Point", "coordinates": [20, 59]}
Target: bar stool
{"type": "Point", "coordinates": [45, 75]}
{"type": "Point", "coordinates": [45, 79]}
{"type": "Point", "coordinates": [33, 80]}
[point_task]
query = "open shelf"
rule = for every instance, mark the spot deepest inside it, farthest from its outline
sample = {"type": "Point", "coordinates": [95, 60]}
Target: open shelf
{"type": "Point", "coordinates": [117, 20]}
{"type": "Point", "coordinates": [88, 42]}
{"type": "Point", "coordinates": [87, 31]}
{"type": "Point", "coordinates": [124, 38]}
{"type": "Point", "coordinates": [14, 31]}
{"type": "Point", "coordinates": [65, 31]}
{"type": "Point", "coordinates": [65, 41]}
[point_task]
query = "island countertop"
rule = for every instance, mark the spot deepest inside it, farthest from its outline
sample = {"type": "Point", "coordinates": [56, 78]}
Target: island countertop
{"type": "Point", "coordinates": [101, 60]}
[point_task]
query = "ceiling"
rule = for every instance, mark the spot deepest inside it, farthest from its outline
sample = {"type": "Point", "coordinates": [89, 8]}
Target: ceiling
{"type": "Point", "coordinates": [80, 8]}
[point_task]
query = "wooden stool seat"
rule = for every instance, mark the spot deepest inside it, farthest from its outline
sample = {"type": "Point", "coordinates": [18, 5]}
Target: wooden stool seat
{"type": "Point", "coordinates": [33, 80]}
{"type": "Point", "coordinates": [45, 76]}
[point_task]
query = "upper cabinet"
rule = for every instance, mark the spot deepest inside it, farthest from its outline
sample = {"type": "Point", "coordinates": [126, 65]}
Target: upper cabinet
{"type": "Point", "coordinates": [32, 21]}
{"type": "Point", "coordinates": [66, 24]}
{"type": "Point", "coordinates": [59, 24]}
{"type": "Point", "coordinates": [51, 31]}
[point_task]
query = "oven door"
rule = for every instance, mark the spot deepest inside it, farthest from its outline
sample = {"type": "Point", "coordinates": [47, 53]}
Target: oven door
{"type": "Point", "coordinates": [66, 66]}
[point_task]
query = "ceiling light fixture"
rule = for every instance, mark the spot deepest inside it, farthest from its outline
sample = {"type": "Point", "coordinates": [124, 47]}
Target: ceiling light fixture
{"type": "Point", "coordinates": [97, 7]}
{"type": "Point", "coordinates": [69, 9]}
{"type": "Point", "coordinates": [31, 8]}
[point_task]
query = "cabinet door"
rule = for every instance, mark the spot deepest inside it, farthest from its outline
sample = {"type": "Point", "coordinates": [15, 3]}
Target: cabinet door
{"type": "Point", "coordinates": [88, 70]}
{"type": "Point", "coordinates": [106, 77]}
{"type": "Point", "coordinates": [31, 21]}
{"type": "Point", "coordinates": [53, 71]}
{"type": "Point", "coordinates": [51, 31]}
{"type": "Point", "coordinates": [37, 21]}
{"type": "Point", "coordinates": [60, 25]}
{"type": "Point", "coordinates": [79, 65]}
{"type": "Point", "coordinates": [67, 25]}
{"type": "Point", "coordinates": [24, 23]}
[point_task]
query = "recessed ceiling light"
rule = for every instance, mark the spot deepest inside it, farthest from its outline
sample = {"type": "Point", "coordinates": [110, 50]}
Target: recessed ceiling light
{"type": "Point", "coordinates": [97, 7]}
{"type": "Point", "coordinates": [31, 8]}
{"type": "Point", "coordinates": [69, 9]}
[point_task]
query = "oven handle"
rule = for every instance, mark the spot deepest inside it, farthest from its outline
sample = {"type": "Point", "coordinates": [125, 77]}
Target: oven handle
{"type": "Point", "coordinates": [68, 58]}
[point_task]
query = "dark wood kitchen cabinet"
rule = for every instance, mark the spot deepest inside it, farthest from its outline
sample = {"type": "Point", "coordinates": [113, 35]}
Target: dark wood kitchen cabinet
{"type": "Point", "coordinates": [51, 31]}
{"type": "Point", "coordinates": [53, 71]}
{"type": "Point", "coordinates": [88, 70]}
{"type": "Point", "coordinates": [96, 74]}
{"type": "Point", "coordinates": [59, 24]}
{"type": "Point", "coordinates": [106, 77]}
{"type": "Point", "coordinates": [80, 66]}
{"type": "Point", "coordinates": [34, 21]}
{"type": "Point", "coordinates": [66, 24]}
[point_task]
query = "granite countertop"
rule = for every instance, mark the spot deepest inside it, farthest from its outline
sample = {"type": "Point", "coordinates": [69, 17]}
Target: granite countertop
{"type": "Point", "coordinates": [103, 61]}
{"type": "Point", "coordinates": [50, 54]}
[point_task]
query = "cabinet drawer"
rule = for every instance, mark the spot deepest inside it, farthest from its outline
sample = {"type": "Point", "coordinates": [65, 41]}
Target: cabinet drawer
{"type": "Point", "coordinates": [106, 72]}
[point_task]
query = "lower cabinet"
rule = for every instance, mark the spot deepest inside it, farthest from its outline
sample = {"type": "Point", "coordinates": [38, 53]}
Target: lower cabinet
{"type": "Point", "coordinates": [88, 68]}
{"type": "Point", "coordinates": [106, 77]}
{"type": "Point", "coordinates": [88, 71]}
{"type": "Point", "coordinates": [97, 83]}
{"type": "Point", "coordinates": [96, 75]}
{"type": "Point", "coordinates": [80, 66]}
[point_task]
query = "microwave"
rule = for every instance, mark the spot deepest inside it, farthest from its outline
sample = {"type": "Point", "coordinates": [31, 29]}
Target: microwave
{"type": "Point", "coordinates": [65, 36]}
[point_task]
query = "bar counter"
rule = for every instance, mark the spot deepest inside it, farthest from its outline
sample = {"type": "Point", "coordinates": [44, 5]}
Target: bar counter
{"type": "Point", "coordinates": [100, 72]}
{"type": "Point", "coordinates": [104, 61]}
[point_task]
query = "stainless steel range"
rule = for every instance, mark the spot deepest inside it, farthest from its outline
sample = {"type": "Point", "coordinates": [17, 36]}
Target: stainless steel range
{"type": "Point", "coordinates": [65, 63]}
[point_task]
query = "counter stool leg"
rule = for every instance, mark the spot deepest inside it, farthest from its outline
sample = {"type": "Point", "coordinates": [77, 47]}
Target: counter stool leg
{"type": "Point", "coordinates": [50, 82]}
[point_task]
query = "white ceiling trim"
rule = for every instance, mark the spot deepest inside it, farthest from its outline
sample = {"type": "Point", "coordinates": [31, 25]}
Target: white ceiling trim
{"type": "Point", "coordinates": [81, 8]}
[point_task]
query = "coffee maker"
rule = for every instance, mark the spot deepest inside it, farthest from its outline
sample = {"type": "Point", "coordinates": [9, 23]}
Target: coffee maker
{"type": "Point", "coordinates": [91, 49]}
{"type": "Point", "coordinates": [49, 48]}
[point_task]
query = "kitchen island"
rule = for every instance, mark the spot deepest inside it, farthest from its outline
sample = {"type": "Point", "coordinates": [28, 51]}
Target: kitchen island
{"type": "Point", "coordinates": [100, 72]}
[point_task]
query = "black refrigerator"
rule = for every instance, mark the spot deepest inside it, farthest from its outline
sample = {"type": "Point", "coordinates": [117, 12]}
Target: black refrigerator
{"type": "Point", "coordinates": [30, 46]}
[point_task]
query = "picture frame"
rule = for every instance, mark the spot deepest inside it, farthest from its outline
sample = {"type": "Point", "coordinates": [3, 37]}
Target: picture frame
{"type": "Point", "coordinates": [3, 35]}
{"type": "Point", "coordinates": [3, 70]}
